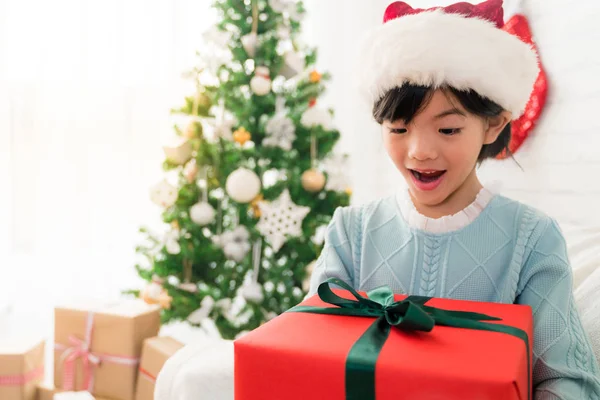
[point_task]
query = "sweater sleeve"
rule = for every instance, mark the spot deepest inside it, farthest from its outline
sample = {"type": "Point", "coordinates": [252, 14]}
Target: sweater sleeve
{"type": "Point", "coordinates": [336, 259]}
{"type": "Point", "coordinates": [564, 365]}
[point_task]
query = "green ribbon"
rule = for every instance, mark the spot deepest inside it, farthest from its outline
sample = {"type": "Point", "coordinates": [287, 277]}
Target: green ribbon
{"type": "Point", "coordinates": [410, 314]}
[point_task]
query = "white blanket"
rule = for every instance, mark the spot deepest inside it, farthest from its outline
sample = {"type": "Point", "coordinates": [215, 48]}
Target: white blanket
{"type": "Point", "coordinates": [584, 252]}
{"type": "Point", "coordinates": [199, 371]}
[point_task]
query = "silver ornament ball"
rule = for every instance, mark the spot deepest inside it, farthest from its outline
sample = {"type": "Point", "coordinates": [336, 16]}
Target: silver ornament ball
{"type": "Point", "coordinates": [243, 185]}
{"type": "Point", "coordinates": [202, 213]}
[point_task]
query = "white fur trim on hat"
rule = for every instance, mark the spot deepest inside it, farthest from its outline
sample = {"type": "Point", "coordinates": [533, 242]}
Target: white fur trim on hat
{"type": "Point", "coordinates": [433, 48]}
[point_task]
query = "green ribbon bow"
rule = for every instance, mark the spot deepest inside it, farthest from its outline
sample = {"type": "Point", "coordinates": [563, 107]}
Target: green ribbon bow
{"type": "Point", "coordinates": [410, 314]}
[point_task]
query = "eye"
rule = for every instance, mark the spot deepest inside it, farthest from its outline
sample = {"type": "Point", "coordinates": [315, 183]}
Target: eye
{"type": "Point", "coordinates": [450, 131]}
{"type": "Point", "coordinates": [398, 131]}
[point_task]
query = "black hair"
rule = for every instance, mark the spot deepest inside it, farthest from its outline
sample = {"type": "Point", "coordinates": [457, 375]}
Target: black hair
{"type": "Point", "coordinates": [405, 102]}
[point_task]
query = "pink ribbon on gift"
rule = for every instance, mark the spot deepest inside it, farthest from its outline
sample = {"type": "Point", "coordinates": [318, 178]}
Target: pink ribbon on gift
{"type": "Point", "coordinates": [20, 380]}
{"type": "Point", "coordinates": [147, 375]}
{"type": "Point", "coordinates": [80, 349]}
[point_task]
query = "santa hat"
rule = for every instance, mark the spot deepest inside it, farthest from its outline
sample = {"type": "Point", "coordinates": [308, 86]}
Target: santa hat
{"type": "Point", "coordinates": [462, 46]}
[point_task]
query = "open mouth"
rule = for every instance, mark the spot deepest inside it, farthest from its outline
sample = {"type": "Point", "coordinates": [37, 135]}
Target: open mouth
{"type": "Point", "coordinates": [427, 176]}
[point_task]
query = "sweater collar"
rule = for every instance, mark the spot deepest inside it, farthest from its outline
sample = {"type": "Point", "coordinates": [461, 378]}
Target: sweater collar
{"type": "Point", "coordinates": [446, 223]}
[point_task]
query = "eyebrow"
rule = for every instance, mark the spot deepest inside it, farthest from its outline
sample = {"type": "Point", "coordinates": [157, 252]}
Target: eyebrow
{"type": "Point", "coordinates": [453, 111]}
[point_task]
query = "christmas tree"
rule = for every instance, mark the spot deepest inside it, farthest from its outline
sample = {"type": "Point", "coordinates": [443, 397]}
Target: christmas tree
{"type": "Point", "coordinates": [257, 180]}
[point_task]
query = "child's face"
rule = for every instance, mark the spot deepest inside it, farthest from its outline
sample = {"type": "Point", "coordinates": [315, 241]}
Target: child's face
{"type": "Point", "coordinates": [437, 151]}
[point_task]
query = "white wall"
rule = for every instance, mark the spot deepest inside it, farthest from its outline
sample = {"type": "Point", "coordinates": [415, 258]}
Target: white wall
{"type": "Point", "coordinates": [561, 163]}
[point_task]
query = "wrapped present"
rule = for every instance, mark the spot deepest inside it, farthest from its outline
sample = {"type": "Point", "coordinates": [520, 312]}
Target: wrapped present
{"type": "Point", "coordinates": [98, 348]}
{"type": "Point", "coordinates": [155, 353]}
{"type": "Point", "coordinates": [387, 347]}
{"type": "Point", "coordinates": [21, 368]}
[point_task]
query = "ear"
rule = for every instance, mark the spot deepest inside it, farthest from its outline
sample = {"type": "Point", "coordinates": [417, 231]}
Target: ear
{"type": "Point", "coordinates": [495, 125]}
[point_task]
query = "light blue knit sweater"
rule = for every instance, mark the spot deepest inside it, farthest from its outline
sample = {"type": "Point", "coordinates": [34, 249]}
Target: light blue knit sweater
{"type": "Point", "coordinates": [510, 253]}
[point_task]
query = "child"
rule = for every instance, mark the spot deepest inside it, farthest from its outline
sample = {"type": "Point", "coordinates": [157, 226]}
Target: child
{"type": "Point", "coordinates": [444, 85]}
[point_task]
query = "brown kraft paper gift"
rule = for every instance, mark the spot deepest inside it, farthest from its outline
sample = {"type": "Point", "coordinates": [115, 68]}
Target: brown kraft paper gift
{"type": "Point", "coordinates": [99, 350]}
{"type": "Point", "coordinates": [21, 368]}
{"type": "Point", "coordinates": [155, 353]}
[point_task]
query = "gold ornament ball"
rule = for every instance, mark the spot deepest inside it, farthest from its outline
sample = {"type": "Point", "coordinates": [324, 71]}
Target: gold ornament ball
{"type": "Point", "coordinates": [313, 180]}
{"type": "Point", "coordinates": [192, 130]}
{"type": "Point", "coordinates": [203, 99]}
{"type": "Point", "coordinates": [241, 136]}
{"type": "Point", "coordinates": [204, 103]}
{"type": "Point", "coordinates": [165, 300]}
{"type": "Point", "coordinates": [315, 77]}
{"type": "Point", "coordinates": [254, 205]}
{"type": "Point", "coordinates": [190, 171]}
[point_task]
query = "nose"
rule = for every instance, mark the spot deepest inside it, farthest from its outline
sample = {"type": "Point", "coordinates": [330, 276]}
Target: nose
{"type": "Point", "coordinates": [422, 147]}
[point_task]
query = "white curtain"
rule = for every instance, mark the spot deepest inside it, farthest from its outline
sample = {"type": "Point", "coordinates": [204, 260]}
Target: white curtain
{"type": "Point", "coordinates": [85, 92]}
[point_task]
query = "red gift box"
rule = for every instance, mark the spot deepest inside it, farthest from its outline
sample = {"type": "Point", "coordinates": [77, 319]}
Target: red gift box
{"type": "Point", "coordinates": [301, 355]}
